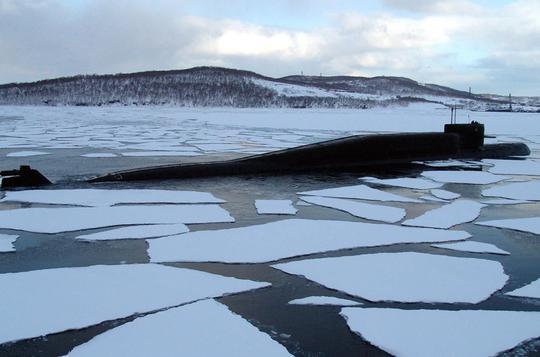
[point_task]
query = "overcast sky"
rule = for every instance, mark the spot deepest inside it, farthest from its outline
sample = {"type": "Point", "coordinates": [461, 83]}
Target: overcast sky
{"type": "Point", "coordinates": [490, 45]}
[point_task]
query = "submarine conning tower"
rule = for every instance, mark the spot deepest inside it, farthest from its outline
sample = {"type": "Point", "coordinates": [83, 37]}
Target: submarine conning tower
{"type": "Point", "coordinates": [471, 135]}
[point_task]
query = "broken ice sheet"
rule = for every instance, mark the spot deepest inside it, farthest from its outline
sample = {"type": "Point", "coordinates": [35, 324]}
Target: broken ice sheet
{"type": "Point", "coordinates": [473, 247]}
{"type": "Point", "coordinates": [287, 238]}
{"type": "Point", "coordinates": [418, 333]}
{"type": "Point", "coordinates": [405, 277]}
{"type": "Point", "coordinates": [55, 220]}
{"type": "Point", "coordinates": [137, 232]}
{"type": "Point", "coordinates": [457, 212]}
{"type": "Point", "coordinates": [324, 300]}
{"type": "Point", "coordinates": [203, 328]}
{"type": "Point", "coordinates": [359, 209]}
{"type": "Point", "coordinates": [531, 290]}
{"type": "Point", "coordinates": [516, 191]}
{"type": "Point", "coordinates": [6, 242]}
{"type": "Point", "coordinates": [514, 167]}
{"type": "Point", "coordinates": [360, 192]}
{"type": "Point", "coordinates": [98, 197]}
{"type": "Point", "coordinates": [160, 153]}
{"type": "Point", "coordinates": [99, 155]}
{"type": "Point", "coordinates": [451, 163]}
{"type": "Point", "coordinates": [444, 194]}
{"type": "Point", "coordinates": [465, 177]}
{"type": "Point", "coordinates": [406, 182]}
{"type": "Point", "coordinates": [530, 224]}
{"type": "Point", "coordinates": [275, 207]}
{"type": "Point", "coordinates": [41, 302]}
{"type": "Point", "coordinates": [503, 201]}
{"type": "Point", "coordinates": [26, 153]}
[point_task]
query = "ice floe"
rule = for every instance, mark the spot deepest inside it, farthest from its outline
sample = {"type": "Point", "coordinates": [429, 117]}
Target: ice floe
{"type": "Point", "coordinates": [360, 192]}
{"type": "Point", "coordinates": [466, 177]}
{"type": "Point", "coordinates": [451, 163]}
{"type": "Point", "coordinates": [432, 199]}
{"type": "Point", "coordinates": [418, 333]}
{"type": "Point", "coordinates": [203, 328]}
{"type": "Point", "coordinates": [275, 207]}
{"type": "Point", "coordinates": [444, 194]}
{"type": "Point", "coordinates": [503, 201]}
{"type": "Point", "coordinates": [473, 247]}
{"type": "Point", "coordinates": [138, 232]}
{"type": "Point", "coordinates": [324, 300]}
{"type": "Point", "coordinates": [359, 209]}
{"type": "Point", "coordinates": [530, 224]}
{"type": "Point", "coordinates": [41, 302]}
{"type": "Point", "coordinates": [55, 220]}
{"type": "Point", "coordinates": [6, 242]}
{"type": "Point", "coordinates": [405, 277]}
{"type": "Point", "coordinates": [531, 290]}
{"type": "Point", "coordinates": [514, 167]}
{"type": "Point", "coordinates": [160, 153]}
{"type": "Point", "coordinates": [287, 238]}
{"type": "Point", "coordinates": [99, 155]}
{"type": "Point", "coordinates": [407, 182]}
{"type": "Point", "coordinates": [516, 191]}
{"type": "Point", "coordinates": [99, 197]}
{"type": "Point", "coordinates": [26, 153]}
{"type": "Point", "coordinates": [457, 212]}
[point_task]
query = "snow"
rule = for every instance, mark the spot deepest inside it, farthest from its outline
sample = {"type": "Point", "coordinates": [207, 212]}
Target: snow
{"type": "Point", "coordinates": [137, 232]}
{"type": "Point", "coordinates": [98, 197]}
{"type": "Point", "coordinates": [457, 212]}
{"type": "Point", "coordinates": [324, 300]}
{"type": "Point", "coordinates": [26, 153]}
{"type": "Point", "coordinates": [531, 290]}
{"type": "Point", "coordinates": [293, 90]}
{"type": "Point", "coordinates": [473, 247]}
{"type": "Point", "coordinates": [407, 182]}
{"type": "Point", "coordinates": [41, 302]}
{"type": "Point", "coordinates": [466, 177]}
{"type": "Point", "coordinates": [405, 277]}
{"type": "Point", "coordinates": [444, 194]}
{"type": "Point", "coordinates": [203, 328]}
{"type": "Point", "coordinates": [287, 238]}
{"type": "Point", "coordinates": [531, 224]}
{"type": "Point", "coordinates": [99, 155]}
{"type": "Point", "coordinates": [465, 333]}
{"type": "Point", "coordinates": [360, 192]}
{"type": "Point", "coordinates": [6, 242]}
{"type": "Point", "coordinates": [275, 207]}
{"type": "Point", "coordinates": [516, 191]}
{"type": "Point", "coordinates": [55, 220]}
{"type": "Point", "coordinates": [514, 167]}
{"type": "Point", "coordinates": [359, 209]}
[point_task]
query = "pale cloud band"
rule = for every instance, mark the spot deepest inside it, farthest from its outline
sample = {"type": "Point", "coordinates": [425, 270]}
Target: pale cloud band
{"type": "Point", "coordinates": [456, 43]}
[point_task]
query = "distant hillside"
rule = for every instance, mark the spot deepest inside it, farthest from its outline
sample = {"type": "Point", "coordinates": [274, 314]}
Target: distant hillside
{"type": "Point", "coordinates": [222, 87]}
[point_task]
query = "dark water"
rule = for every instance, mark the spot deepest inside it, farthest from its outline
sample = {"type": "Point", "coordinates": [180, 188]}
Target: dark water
{"type": "Point", "coordinates": [303, 330]}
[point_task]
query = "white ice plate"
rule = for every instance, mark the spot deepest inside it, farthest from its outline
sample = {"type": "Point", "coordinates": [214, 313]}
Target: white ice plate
{"type": "Point", "coordinates": [444, 194]}
{"type": "Point", "coordinates": [405, 277]}
{"type": "Point", "coordinates": [516, 191]}
{"type": "Point", "coordinates": [287, 238]}
{"type": "Point", "coordinates": [473, 247]}
{"type": "Point", "coordinates": [324, 300]}
{"type": "Point", "coordinates": [503, 201]}
{"type": "Point", "coordinates": [137, 232]}
{"type": "Point", "coordinates": [99, 155]}
{"type": "Point", "coordinates": [457, 212]}
{"type": "Point", "coordinates": [6, 242]}
{"type": "Point", "coordinates": [466, 177]}
{"type": "Point", "coordinates": [360, 192]}
{"type": "Point", "coordinates": [433, 199]}
{"type": "Point", "coordinates": [407, 182]}
{"type": "Point", "coordinates": [98, 197]}
{"type": "Point", "coordinates": [55, 220]}
{"type": "Point", "coordinates": [464, 333]}
{"type": "Point", "coordinates": [359, 209]}
{"type": "Point", "coordinates": [26, 153]}
{"type": "Point", "coordinates": [531, 224]}
{"type": "Point", "coordinates": [203, 328]}
{"type": "Point", "coordinates": [514, 167]}
{"type": "Point", "coordinates": [41, 302]}
{"type": "Point", "coordinates": [531, 290]}
{"type": "Point", "coordinates": [160, 153]}
{"type": "Point", "coordinates": [275, 207]}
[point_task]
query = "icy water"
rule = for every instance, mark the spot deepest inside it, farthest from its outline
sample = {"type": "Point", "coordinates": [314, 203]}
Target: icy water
{"type": "Point", "coordinates": [305, 330]}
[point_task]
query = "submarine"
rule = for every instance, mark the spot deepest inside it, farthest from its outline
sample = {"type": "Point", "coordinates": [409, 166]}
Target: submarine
{"type": "Point", "coordinates": [348, 154]}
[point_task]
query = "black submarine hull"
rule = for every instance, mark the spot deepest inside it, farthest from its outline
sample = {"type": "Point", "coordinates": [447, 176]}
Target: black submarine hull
{"type": "Point", "coordinates": [458, 141]}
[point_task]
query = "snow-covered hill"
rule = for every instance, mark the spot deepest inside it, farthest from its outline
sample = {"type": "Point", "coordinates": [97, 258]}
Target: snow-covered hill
{"type": "Point", "coordinates": [222, 87]}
